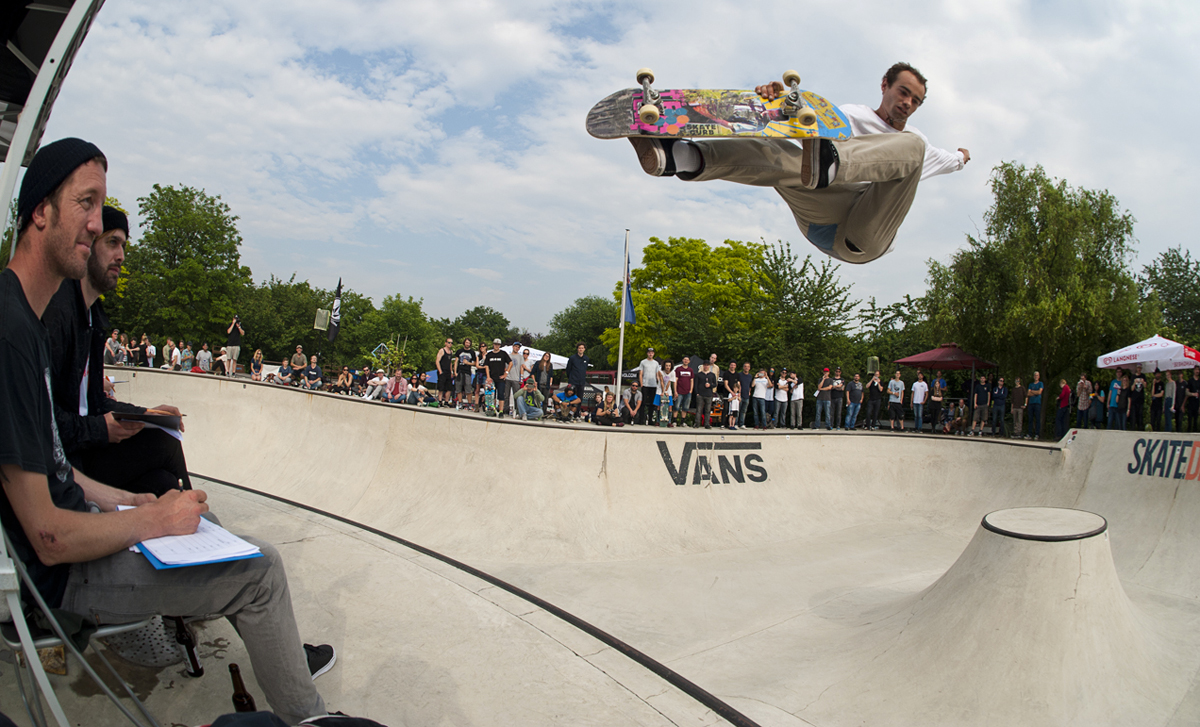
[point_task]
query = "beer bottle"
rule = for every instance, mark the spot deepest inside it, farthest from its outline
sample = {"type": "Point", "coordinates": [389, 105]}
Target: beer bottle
{"type": "Point", "coordinates": [242, 701]}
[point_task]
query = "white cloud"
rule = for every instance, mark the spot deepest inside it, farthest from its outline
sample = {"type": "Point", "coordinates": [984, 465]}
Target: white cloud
{"type": "Point", "coordinates": [402, 144]}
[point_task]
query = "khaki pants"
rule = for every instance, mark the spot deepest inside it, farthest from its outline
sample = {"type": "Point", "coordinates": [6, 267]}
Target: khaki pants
{"type": "Point", "coordinates": [1018, 421]}
{"type": "Point", "coordinates": [854, 219]}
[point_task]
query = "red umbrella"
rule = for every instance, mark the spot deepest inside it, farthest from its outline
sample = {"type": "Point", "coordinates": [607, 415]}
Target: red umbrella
{"type": "Point", "coordinates": [946, 357]}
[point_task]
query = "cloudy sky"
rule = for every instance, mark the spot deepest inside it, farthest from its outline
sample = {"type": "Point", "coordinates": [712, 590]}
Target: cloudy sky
{"type": "Point", "coordinates": [437, 149]}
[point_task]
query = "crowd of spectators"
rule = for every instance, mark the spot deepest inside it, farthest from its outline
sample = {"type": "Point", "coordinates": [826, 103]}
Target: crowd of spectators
{"type": "Point", "coordinates": [510, 382]}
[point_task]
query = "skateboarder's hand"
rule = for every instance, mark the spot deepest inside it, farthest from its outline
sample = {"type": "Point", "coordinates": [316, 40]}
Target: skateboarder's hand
{"type": "Point", "coordinates": [966, 155]}
{"type": "Point", "coordinates": [769, 90]}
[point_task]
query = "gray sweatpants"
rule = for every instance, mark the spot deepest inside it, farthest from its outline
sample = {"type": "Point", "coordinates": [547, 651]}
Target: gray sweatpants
{"type": "Point", "coordinates": [253, 594]}
{"type": "Point", "coordinates": [854, 219]}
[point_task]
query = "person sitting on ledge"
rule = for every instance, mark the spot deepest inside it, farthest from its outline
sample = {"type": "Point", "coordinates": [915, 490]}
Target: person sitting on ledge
{"type": "Point", "coordinates": [607, 415]}
{"type": "Point", "coordinates": [529, 401]}
{"type": "Point", "coordinates": [285, 375]}
{"type": "Point", "coordinates": [311, 376]}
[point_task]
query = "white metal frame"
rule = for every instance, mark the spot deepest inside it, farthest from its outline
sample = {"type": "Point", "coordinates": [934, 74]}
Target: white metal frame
{"type": "Point", "coordinates": [41, 98]}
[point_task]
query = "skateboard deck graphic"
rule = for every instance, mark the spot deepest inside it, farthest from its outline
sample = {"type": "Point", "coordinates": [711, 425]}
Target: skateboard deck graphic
{"type": "Point", "coordinates": [713, 113]}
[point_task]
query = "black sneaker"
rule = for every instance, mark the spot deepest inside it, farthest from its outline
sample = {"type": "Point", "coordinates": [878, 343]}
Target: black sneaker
{"type": "Point", "coordinates": [320, 658]}
{"type": "Point", "coordinates": [654, 155]}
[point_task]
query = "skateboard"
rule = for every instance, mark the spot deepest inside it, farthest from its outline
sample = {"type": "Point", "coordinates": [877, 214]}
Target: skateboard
{"type": "Point", "coordinates": [707, 113]}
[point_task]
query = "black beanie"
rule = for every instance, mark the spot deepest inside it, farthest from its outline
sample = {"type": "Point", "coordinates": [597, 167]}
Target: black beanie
{"type": "Point", "coordinates": [115, 219]}
{"type": "Point", "coordinates": [50, 167]}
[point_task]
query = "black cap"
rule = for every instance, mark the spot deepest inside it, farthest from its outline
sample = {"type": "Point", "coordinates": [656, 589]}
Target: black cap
{"type": "Point", "coordinates": [50, 167]}
{"type": "Point", "coordinates": [115, 219]}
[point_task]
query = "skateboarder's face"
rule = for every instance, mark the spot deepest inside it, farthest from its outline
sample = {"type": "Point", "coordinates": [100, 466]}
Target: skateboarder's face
{"type": "Point", "coordinates": [902, 98]}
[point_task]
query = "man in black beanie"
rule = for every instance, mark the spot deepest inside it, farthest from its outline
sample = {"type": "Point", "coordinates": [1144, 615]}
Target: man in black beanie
{"type": "Point", "coordinates": [120, 454]}
{"type": "Point", "coordinates": [79, 559]}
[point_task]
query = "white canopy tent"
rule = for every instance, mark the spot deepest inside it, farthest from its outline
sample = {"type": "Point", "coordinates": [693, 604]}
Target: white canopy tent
{"type": "Point", "coordinates": [1154, 354]}
{"type": "Point", "coordinates": [535, 355]}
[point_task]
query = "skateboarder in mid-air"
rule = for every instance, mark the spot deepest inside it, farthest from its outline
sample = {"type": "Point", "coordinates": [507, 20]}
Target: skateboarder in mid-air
{"type": "Point", "coordinates": [848, 197]}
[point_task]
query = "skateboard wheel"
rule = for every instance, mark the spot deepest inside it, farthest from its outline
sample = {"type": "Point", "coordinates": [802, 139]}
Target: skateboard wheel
{"type": "Point", "coordinates": [648, 113]}
{"type": "Point", "coordinates": [790, 78]}
{"type": "Point", "coordinates": [645, 73]}
{"type": "Point", "coordinates": [807, 117]}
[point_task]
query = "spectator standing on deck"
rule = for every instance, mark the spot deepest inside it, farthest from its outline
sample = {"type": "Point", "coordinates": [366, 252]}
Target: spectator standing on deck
{"type": "Point", "coordinates": [649, 380]}
{"type": "Point", "coordinates": [1019, 396]}
{"type": "Point", "coordinates": [837, 397]}
{"type": "Point", "coordinates": [1157, 391]}
{"type": "Point", "coordinates": [760, 389]}
{"type": "Point", "coordinates": [543, 375]}
{"type": "Point", "coordinates": [706, 388]}
{"type": "Point", "coordinates": [896, 401]}
{"type": "Point", "coordinates": [1115, 414]}
{"type": "Point", "coordinates": [1136, 411]}
{"type": "Point", "coordinates": [1036, 387]}
{"type": "Point", "coordinates": [1062, 420]}
{"type": "Point", "coordinates": [516, 372]}
{"type": "Point", "coordinates": [1083, 395]}
{"type": "Point", "coordinates": [684, 381]}
{"type": "Point", "coordinates": [497, 363]}
{"type": "Point", "coordinates": [999, 402]}
{"type": "Point", "coordinates": [745, 379]}
{"type": "Point", "coordinates": [795, 402]}
{"type": "Point", "coordinates": [1169, 402]}
{"type": "Point", "coordinates": [854, 397]}
{"type": "Point", "coordinates": [824, 397]}
{"type": "Point", "coordinates": [233, 344]}
{"type": "Point", "coordinates": [1193, 401]}
{"type": "Point", "coordinates": [980, 398]}
{"type": "Point", "coordinates": [920, 392]}
{"type": "Point", "coordinates": [577, 367]}
{"type": "Point", "coordinates": [937, 395]}
{"type": "Point", "coordinates": [443, 363]}
{"type": "Point", "coordinates": [874, 400]}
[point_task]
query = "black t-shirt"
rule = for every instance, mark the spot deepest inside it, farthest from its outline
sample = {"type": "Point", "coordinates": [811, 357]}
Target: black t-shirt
{"type": "Point", "coordinates": [706, 384]}
{"type": "Point", "coordinates": [466, 359]}
{"type": "Point", "coordinates": [874, 390]}
{"type": "Point", "coordinates": [1139, 390]}
{"type": "Point", "coordinates": [855, 390]}
{"type": "Point", "coordinates": [235, 336]}
{"type": "Point", "coordinates": [28, 436]}
{"type": "Point", "coordinates": [744, 381]}
{"type": "Point", "coordinates": [496, 362]}
{"type": "Point", "coordinates": [1193, 385]}
{"type": "Point", "coordinates": [981, 395]}
{"type": "Point", "coordinates": [312, 372]}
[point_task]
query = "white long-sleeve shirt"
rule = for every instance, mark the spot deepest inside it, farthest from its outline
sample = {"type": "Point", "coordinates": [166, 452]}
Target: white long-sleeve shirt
{"type": "Point", "coordinates": [864, 120]}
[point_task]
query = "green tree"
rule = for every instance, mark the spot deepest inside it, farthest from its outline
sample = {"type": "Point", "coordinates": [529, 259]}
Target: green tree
{"type": "Point", "coordinates": [692, 299]}
{"type": "Point", "coordinates": [1173, 279]}
{"type": "Point", "coordinates": [805, 313]}
{"type": "Point", "coordinates": [185, 277]}
{"type": "Point", "coordinates": [402, 324]}
{"type": "Point", "coordinates": [584, 321]}
{"type": "Point", "coordinates": [481, 324]}
{"type": "Point", "coordinates": [1048, 285]}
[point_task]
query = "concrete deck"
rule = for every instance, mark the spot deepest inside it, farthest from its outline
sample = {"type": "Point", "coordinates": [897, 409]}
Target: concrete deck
{"type": "Point", "coordinates": [800, 578]}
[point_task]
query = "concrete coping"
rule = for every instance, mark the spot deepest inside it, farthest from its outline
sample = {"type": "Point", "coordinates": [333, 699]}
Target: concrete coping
{"type": "Point", "coordinates": [1049, 524]}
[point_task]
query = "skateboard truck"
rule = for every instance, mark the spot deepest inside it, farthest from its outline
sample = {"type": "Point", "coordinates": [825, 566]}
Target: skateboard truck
{"type": "Point", "coordinates": [793, 105]}
{"type": "Point", "coordinates": [651, 107]}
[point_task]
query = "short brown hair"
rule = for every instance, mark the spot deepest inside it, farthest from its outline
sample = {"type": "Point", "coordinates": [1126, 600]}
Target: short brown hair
{"type": "Point", "coordinates": [894, 72]}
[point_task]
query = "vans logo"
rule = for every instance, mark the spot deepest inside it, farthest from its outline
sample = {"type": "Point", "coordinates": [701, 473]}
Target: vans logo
{"type": "Point", "coordinates": [715, 468]}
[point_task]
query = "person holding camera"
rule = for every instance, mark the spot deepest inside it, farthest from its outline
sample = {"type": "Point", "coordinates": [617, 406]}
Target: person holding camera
{"type": "Point", "coordinates": [233, 344]}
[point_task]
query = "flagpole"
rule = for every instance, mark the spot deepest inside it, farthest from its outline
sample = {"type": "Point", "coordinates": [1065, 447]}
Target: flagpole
{"type": "Point", "coordinates": [624, 297]}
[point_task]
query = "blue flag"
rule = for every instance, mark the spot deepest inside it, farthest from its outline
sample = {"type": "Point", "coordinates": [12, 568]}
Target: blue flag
{"type": "Point", "coordinates": [630, 317]}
